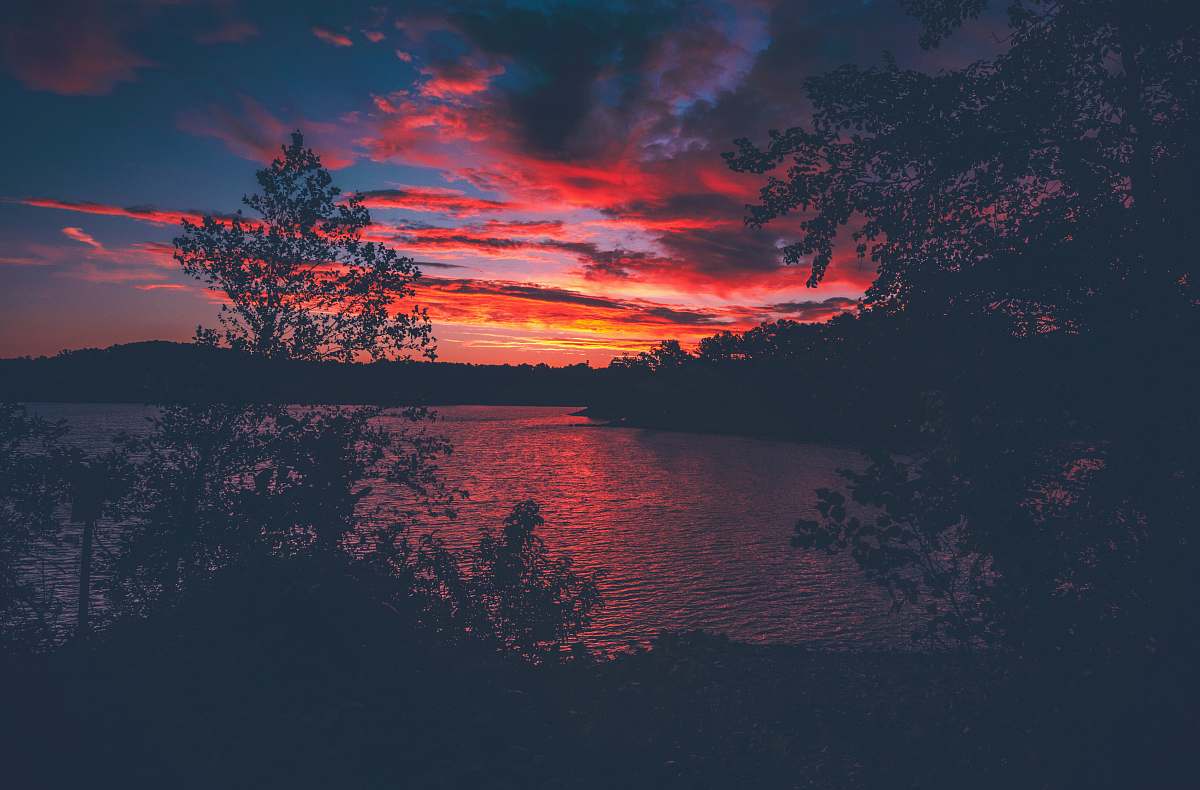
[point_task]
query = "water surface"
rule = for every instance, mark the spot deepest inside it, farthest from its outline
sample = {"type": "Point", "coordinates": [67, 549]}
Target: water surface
{"type": "Point", "coordinates": [691, 529]}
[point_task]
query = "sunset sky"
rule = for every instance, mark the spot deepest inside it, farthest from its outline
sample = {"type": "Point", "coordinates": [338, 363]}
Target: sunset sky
{"type": "Point", "coordinates": [555, 167]}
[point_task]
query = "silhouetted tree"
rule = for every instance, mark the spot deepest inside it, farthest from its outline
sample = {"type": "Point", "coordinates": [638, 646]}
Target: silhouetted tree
{"type": "Point", "coordinates": [531, 603]}
{"type": "Point", "coordinates": [1045, 187]}
{"type": "Point", "coordinates": [93, 485]}
{"type": "Point", "coordinates": [665, 355]}
{"type": "Point", "coordinates": [1048, 183]}
{"type": "Point", "coordinates": [910, 537]}
{"type": "Point", "coordinates": [31, 487]}
{"type": "Point", "coordinates": [507, 591]}
{"type": "Point", "coordinates": [299, 281]}
{"type": "Point", "coordinates": [218, 484]}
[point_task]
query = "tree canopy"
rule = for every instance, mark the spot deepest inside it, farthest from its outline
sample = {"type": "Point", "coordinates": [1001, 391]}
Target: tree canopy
{"type": "Point", "coordinates": [1043, 183]}
{"type": "Point", "coordinates": [301, 281]}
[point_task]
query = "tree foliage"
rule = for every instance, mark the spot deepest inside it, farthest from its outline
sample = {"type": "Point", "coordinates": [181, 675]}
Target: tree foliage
{"type": "Point", "coordinates": [220, 488]}
{"type": "Point", "coordinates": [665, 355]}
{"type": "Point", "coordinates": [912, 539]}
{"type": "Point", "coordinates": [32, 486]}
{"type": "Point", "coordinates": [507, 591]}
{"type": "Point", "coordinates": [300, 280]}
{"type": "Point", "coordinates": [1052, 183]}
{"type": "Point", "coordinates": [1049, 503]}
{"type": "Point", "coordinates": [217, 485]}
{"type": "Point", "coordinates": [530, 602]}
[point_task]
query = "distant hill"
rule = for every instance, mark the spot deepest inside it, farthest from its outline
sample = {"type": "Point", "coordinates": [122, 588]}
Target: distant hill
{"type": "Point", "coordinates": [165, 372]}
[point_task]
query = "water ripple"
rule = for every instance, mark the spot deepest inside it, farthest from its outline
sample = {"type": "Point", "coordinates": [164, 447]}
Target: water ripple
{"type": "Point", "coordinates": [692, 530]}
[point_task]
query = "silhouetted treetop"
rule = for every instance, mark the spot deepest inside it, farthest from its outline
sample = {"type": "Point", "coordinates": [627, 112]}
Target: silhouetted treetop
{"type": "Point", "coordinates": [940, 18]}
{"type": "Point", "coordinates": [526, 599]}
{"type": "Point", "coordinates": [665, 355]}
{"type": "Point", "coordinates": [1043, 183]}
{"type": "Point", "coordinates": [301, 282]}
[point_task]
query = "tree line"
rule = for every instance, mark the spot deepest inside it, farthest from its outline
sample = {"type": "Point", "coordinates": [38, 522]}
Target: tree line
{"type": "Point", "coordinates": [165, 372]}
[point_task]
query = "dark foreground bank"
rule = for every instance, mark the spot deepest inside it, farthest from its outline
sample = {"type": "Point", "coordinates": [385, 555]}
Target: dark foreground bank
{"type": "Point", "coordinates": [286, 679]}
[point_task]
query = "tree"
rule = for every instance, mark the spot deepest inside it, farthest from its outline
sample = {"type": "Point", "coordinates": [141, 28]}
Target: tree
{"type": "Point", "coordinates": [507, 593]}
{"type": "Point", "coordinates": [220, 484]}
{"type": "Point", "coordinates": [31, 487]}
{"type": "Point", "coordinates": [300, 281]}
{"type": "Point", "coordinates": [1048, 183]}
{"type": "Point", "coordinates": [93, 484]}
{"type": "Point", "coordinates": [527, 601]}
{"type": "Point", "coordinates": [1045, 187]}
{"type": "Point", "coordinates": [665, 355]}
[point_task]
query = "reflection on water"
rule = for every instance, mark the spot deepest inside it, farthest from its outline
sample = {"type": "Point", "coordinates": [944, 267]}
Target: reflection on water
{"type": "Point", "coordinates": [691, 529]}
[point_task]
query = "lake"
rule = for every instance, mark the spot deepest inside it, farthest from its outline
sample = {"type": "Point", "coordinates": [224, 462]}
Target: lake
{"type": "Point", "coordinates": [691, 530]}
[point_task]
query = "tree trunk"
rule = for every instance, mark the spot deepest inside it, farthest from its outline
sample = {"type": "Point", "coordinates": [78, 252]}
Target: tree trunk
{"type": "Point", "coordinates": [85, 576]}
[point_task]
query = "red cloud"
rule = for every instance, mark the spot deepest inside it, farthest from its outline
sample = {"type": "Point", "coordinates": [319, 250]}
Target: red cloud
{"type": "Point", "coordinates": [94, 273]}
{"type": "Point", "coordinates": [141, 213]}
{"type": "Point", "coordinates": [670, 211]}
{"type": "Point", "coordinates": [252, 132]}
{"type": "Point", "coordinates": [530, 317]}
{"type": "Point", "coordinates": [70, 48]}
{"type": "Point", "coordinates": [21, 260]}
{"type": "Point", "coordinates": [495, 232]}
{"type": "Point", "coordinates": [684, 212]}
{"type": "Point", "coordinates": [457, 78]}
{"type": "Point", "coordinates": [514, 305]}
{"type": "Point", "coordinates": [438, 200]}
{"type": "Point", "coordinates": [230, 33]}
{"type": "Point", "coordinates": [82, 236]}
{"type": "Point", "coordinates": [331, 37]}
{"type": "Point", "coordinates": [513, 240]}
{"type": "Point", "coordinates": [430, 133]}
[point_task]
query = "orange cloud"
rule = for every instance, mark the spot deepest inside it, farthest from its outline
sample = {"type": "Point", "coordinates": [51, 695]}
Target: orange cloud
{"type": "Point", "coordinates": [605, 321]}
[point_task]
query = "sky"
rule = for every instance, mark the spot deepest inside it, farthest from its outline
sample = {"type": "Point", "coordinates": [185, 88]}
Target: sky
{"type": "Point", "coordinates": [554, 166]}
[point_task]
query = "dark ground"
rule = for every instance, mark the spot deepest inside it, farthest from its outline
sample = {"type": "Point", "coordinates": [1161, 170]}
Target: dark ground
{"type": "Point", "coordinates": [295, 688]}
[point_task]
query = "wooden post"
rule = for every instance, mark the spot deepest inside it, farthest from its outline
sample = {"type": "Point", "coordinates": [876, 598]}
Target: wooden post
{"type": "Point", "coordinates": [87, 500]}
{"type": "Point", "coordinates": [85, 577]}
